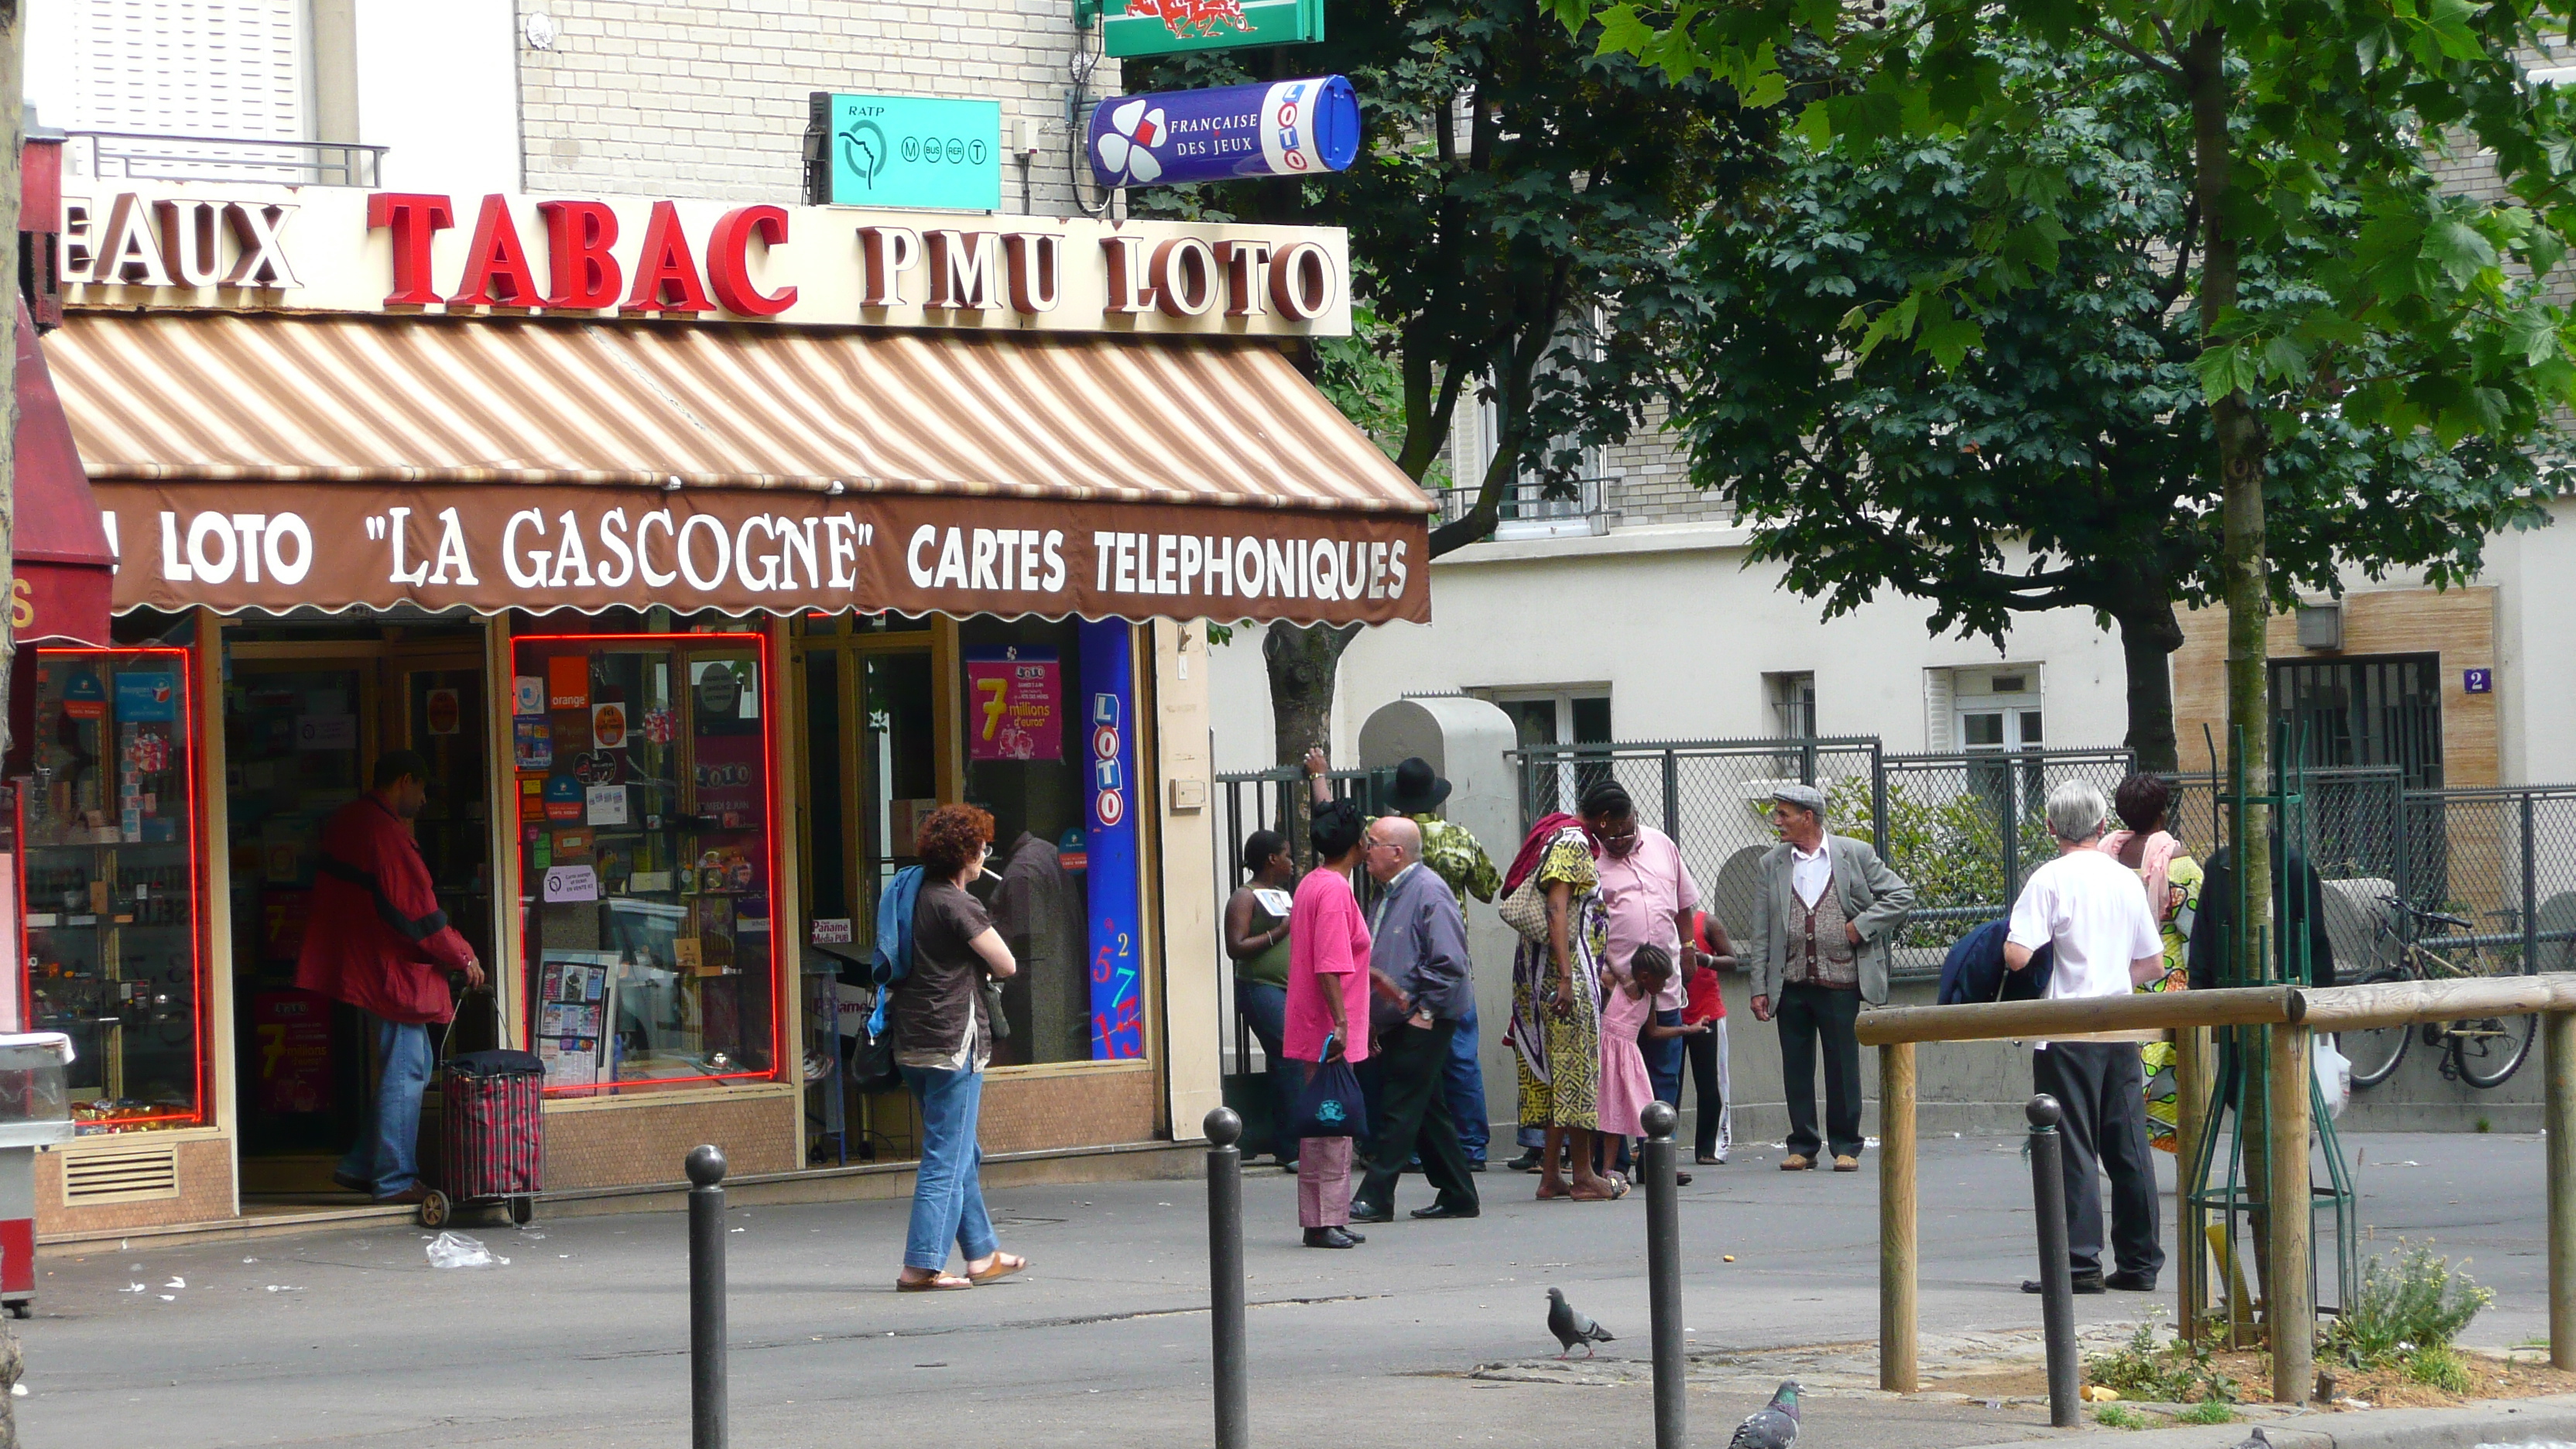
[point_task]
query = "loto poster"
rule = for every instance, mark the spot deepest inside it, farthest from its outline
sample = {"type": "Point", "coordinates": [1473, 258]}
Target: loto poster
{"type": "Point", "coordinates": [1014, 704]}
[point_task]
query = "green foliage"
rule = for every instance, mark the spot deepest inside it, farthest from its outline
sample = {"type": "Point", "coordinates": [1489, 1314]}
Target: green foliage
{"type": "Point", "coordinates": [2119, 1416]}
{"type": "Point", "coordinates": [1950, 849]}
{"type": "Point", "coordinates": [2166, 1372]}
{"type": "Point", "coordinates": [2441, 1368]}
{"type": "Point", "coordinates": [2419, 1303]}
{"type": "Point", "coordinates": [2208, 1411]}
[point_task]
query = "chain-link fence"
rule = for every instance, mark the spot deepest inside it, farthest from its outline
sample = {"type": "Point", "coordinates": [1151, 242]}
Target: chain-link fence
{"type": "Point", "coordinates": [1967, 829]}
{"type": "Point", "coordinates": [1277, 800]}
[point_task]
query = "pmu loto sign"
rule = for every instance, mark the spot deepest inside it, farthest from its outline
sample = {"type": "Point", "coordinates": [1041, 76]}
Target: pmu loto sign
{"type": "Point", "coordinates": [202, 245]}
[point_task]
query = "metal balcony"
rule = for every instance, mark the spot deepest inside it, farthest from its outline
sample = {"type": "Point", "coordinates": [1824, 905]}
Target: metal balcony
{"type": "Point", "coordinates": [110, 156]}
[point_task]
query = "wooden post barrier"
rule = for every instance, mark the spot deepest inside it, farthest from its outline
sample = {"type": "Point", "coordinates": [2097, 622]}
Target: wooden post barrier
{"type": "Point", "coordinates": [2192, 1057]}
{"type": "Point", "coordinates": [2558, 1036]}
{"type": "Point", "coordinates": [2289, 1309]}
{"type": "Point", "coordinates": [2389, 1003]}
{"type": "Point", "coordinates": [2144, 1011]}
{"type": "Point", "coordinates": [1899, 1372]}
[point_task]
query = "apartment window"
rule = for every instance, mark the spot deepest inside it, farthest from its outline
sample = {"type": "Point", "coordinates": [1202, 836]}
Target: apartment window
{"type": "Point", "coordinates": [1792, 698]}
{"type": "Point", "coordinates": [1565, 716]}
{"type": "Point", "coordinates": [1996, 709]}
{"type": "Point", "coordinates": [2365, 712]}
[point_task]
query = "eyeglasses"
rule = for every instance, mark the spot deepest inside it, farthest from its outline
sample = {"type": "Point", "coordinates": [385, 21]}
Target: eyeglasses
{"type": "Point", "coordinates": [1383, 845]}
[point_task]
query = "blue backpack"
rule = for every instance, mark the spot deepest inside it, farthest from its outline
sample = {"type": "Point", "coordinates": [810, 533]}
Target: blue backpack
{"type": "Point", "coordinates": [892, 960]}
{"type": "Point", "coordinates": [1974, 969]}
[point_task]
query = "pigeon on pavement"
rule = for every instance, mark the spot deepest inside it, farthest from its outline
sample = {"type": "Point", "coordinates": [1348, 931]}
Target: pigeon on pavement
{"type": "Point", "coordinates": [2257, 1440]}
{"type": "Point", "coordinates": [1571, 1326]}
{"type": "Point", "coordinates": [1774, 1425]}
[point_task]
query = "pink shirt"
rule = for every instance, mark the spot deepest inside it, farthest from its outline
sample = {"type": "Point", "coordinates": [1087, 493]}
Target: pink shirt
{"type": "Point", "coordinates": [1328, 950]}
{"type": "Point", "coordinates": [1640, 891]}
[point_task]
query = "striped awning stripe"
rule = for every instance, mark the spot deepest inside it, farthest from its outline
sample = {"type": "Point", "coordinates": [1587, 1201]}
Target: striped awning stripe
{"type": "Point", "coordinates": [216, 397]}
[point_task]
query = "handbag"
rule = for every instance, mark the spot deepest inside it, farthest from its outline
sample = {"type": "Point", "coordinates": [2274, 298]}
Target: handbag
{"type": "Point", "coordinates": [1330, 1103]}
{"type": "Point", "coordinates": [993, 1010]}
{"type": "Point", "coordinates": [1525, 910]}
{"type": "Point", "coordinates": [872, 1064]}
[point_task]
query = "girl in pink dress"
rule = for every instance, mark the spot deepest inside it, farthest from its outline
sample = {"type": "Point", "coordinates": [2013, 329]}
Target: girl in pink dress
{"type": "Point", "coordinates": [1625, 1087]}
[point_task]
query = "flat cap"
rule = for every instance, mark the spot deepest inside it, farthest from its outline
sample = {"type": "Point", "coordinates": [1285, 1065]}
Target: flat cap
{"type": "Point", "coordinates": [1805, 797]}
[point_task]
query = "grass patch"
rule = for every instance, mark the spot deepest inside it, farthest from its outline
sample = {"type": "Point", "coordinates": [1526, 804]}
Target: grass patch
{"type": "Point", "coordinates": [2170, 1373]}
{"type": "Point", "coordinates": [2484, 1125]}
{"type": "Point", "coordinates": [2209, 1411]}
{"type": "Point", "coordinates": [2419, 1303]}
{"type": "Point", "coordinates": [2441, 1368]}
{"type": "Point", "coordinates": [2119, 1416]}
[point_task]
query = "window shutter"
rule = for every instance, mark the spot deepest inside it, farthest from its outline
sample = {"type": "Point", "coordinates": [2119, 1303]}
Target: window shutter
{"type": "Point", "coordinates": [1939, 689]}
{"type": "Point", "coordinates": [192, 68]}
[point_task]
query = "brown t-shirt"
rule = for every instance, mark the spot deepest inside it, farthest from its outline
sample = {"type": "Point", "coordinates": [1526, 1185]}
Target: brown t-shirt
{"type": "Point", "coordinates": [939, 1005]}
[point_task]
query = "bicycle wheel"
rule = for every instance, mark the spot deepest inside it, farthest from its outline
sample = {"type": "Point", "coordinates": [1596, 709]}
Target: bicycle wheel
{"type": "Point", "coordinates": [2490, 1049]}
{"type": "Point", "coordinates": [2375, 1052]}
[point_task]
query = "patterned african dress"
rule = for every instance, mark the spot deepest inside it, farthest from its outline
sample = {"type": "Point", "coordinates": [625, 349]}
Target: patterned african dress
{"type": "Point", "coordinates": [2164, 1097]}
{"type": "Point", "coordinates": [1560, 1055]}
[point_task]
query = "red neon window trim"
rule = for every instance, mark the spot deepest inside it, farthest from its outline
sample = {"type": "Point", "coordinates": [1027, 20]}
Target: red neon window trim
{"type": "Point", "coordinates": [770, 851]}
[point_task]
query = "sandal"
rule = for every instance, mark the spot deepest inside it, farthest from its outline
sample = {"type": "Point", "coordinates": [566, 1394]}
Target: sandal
{"type": "Point", "coordinates": [1551, 1190]}
{"type": "Point", "coordinates": [1618, 1190]}
{"type": "Point", "coordinates": [944, 1283]}
{"type": "Point", "coordinates": [1002, 1266]}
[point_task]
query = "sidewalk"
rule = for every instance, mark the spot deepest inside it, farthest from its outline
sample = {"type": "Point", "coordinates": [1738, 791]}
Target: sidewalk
{"type": "Point", "coordinates": [1431, 1334]}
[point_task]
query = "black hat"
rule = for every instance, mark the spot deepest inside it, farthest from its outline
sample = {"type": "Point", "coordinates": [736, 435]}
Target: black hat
{"type": "Point", "coordinates": [1417, 790]}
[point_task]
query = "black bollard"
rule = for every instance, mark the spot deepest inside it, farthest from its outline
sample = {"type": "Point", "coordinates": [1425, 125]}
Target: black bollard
{"type": "Point", "coordinates": [706, 1167]}
{"type": "Point", "coordinates": [1225, 1278]}
{"type": "Point", "coordinates": [1664, 1272]}
{"type": "Point", "coordinates": [2056, 1274]}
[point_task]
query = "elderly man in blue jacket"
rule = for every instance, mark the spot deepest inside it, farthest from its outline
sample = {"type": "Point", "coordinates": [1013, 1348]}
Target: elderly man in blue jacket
{"type": "Point", "coordinates": [1425, 986]}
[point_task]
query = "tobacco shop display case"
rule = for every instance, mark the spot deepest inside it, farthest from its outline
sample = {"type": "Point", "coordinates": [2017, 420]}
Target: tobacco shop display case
{"type": "Point", "coordinates": [108, 824]}
{"type": "Point", "coordinates": [647, 848]}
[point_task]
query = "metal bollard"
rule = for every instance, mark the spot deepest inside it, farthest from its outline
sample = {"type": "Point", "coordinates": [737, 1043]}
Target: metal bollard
{"type": "Point", "coordinates": [706, 1167]}
{"type": "Point", "coordinates": [1664, 1272]}
{"type": "Point", "coordinates": [2056, 1274]}
{"type": "Point", "coordinates": [1225, 1279]}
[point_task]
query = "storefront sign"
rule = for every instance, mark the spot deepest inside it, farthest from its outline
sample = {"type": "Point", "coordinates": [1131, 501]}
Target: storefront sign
{"type": "Point", "coordinates": [1111, 881]}
{"type": "Point", "coordinates": [223, 245]}
{"type": "Point", "coordinates": [326, 731]}
{"type": "Point", "coordinates": [907, 151]}
{"type": "Point", "coordinates": [527, 696]}
{"type": "Point", "coordinates": [1171, 27]}
{"type": "Point", "coordinates": [1015, 703]}
{"type": "Point", "coordinates": [1290, 128]}
{"type": "Point", "coordinates": [571, 884]}
{"type": "Point", "coordinates": [605, 804]}
{"type": "Point", "coordinates": [141, 696]}
{"type": "Point", "coordinates": [542, 547]}
{"type": "Point", "coordinates": [445, 711]}
{"type": "Point", "coordinates": [608, 726]}
{"type": "Point", "coordinates": [293, 1031]}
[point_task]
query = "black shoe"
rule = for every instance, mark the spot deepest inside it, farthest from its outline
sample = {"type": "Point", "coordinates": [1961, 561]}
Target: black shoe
{"type": "Point", "coordinates": [346, 1183]}
{"type": "Point", "coordinates": [1526, 1162]}
{"type": "Point", "coordinates": [2084, 1283]}
{"type": "Point", "coordinates": [2131, 1282]}
{"type": "Point", "coordinates": [1443, 1210]}
{"type": "Point", "coordinates": [1681, 1179]}
{"type": "Point", "coordinates": [1330, 1238]}
{"type": "Point", "coordinates": [1368, 1212]}
{"type": "Point", "coordinates": [1354, 1237]}
{"type": "Point", "coordinates": [1477, 1165]}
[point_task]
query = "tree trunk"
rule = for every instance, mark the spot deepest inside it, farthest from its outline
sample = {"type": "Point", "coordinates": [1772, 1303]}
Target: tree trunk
{"type": "Point", "coordinates": [1302, 659]}
{"type": "Point", "coordinates": [2149, 634]}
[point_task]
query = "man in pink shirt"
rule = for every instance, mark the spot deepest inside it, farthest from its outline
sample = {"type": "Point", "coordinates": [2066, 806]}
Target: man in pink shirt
{"type": "Point", "coordinates": [1648, 895]}
{"type": "Point", "coordinates": [1328, 1009]}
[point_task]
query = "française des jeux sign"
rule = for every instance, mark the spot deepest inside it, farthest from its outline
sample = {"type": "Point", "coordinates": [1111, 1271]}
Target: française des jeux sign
{"type": "Point", "coordinates": [201, 245]}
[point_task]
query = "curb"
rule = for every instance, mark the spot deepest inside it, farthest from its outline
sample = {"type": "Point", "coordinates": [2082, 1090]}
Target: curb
{"type": "Point", "coordinates": [2489, 1421]}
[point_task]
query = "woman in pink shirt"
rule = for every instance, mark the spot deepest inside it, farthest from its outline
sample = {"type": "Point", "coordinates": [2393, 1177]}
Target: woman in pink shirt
{"type": "Point", "coordinates": [1328, 1009]}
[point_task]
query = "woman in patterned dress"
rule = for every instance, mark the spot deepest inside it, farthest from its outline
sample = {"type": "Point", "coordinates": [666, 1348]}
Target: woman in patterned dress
{"type": "Point", "coordinates": [2172, 880]}
{"type": "Point", "coordinates": [1556, 1008]}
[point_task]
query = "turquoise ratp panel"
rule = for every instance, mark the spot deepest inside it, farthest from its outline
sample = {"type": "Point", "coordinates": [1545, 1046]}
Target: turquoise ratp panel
{"type": "Point", "coordinates": [912, 151]}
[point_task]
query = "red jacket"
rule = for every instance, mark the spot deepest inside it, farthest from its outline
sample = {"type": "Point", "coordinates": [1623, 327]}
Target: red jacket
{"type": "Point", "coordinates": [377, 939]}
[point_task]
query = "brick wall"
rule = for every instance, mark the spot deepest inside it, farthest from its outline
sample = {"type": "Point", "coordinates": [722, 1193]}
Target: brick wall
{"type": "Point", "coordinates": [1653, 469]}
{"type": "Point", "coordinates": [709, 99]}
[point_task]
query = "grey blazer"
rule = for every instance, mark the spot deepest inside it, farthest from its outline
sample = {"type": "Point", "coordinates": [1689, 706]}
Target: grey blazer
{"type": "Point", "coordinates": [1875, 899]}
{"type": "Point", "coordinates": [1420, 942]}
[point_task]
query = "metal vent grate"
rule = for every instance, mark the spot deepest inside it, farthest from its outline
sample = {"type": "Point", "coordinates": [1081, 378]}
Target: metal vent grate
{"type": "Point", "coordinates": [122, 1174]}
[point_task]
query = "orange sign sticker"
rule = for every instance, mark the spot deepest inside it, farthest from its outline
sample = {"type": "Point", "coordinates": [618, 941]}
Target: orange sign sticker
{"type": "Point", "coordinates": [608, 726]}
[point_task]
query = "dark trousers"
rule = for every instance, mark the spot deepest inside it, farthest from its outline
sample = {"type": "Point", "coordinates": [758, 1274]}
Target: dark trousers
{"type": "Point", "coordinates": [1265, 1010]}
{"type": "Point", "coordinates": [1806, 1013]}
{"type": "Point", "coordinates": [1409, 1114]}
{"type": "Point", "coordinates": [1702, 1050]}
{"type": "Point", "coordinates": [1664, 1061]}
{"type": "Point", "coordinates": [1463, 1083]}
{"type": "Point", "coordinates": [2102, 1088]}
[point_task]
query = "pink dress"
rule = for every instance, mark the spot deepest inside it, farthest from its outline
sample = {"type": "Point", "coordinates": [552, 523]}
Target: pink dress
{"type": "Point", "coordinates": [1625, 1087]}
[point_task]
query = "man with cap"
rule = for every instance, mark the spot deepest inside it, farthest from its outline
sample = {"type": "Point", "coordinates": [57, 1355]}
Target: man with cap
{"type": "Point", "coordinates": [1826, 913]}
{"type": "Point", "coordinates": [1453, 854]}
{"type": "Point", "coordinates": [379, 941]}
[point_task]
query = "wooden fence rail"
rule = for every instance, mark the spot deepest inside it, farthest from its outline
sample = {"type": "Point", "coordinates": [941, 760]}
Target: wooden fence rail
{"type": "Point", "coordinates": [2294, 1014]}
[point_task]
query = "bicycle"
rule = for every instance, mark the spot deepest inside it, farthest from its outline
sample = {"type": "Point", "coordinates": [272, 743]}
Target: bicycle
{"type": "Point", "coordinates": [2482, 1052]}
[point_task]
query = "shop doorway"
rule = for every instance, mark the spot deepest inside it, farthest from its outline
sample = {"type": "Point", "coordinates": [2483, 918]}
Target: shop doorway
{"type": "Point", "coordinates": [306, 714]}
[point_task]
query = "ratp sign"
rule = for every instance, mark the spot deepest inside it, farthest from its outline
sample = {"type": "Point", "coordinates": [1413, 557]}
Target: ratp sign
{"type": "Point", "coordinates": [906, 151]}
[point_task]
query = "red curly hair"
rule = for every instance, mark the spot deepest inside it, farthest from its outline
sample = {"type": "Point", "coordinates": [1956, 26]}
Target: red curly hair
{"type": "Point", "coordinates": [946, 838]}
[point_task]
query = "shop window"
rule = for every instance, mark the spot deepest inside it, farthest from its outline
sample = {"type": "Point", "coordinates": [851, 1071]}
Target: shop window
{"type": "Point", "coordinates": [1048, 716]}
{"type": "Point", "coordinates": [647, 848]}
{"type": "Point", "coordinates": [108, 818]}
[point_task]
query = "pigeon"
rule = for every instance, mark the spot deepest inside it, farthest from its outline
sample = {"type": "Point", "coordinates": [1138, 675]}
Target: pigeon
{"type": "Point", "coordinates": [1774, 1425]}
{"type": "Point", "coordinates": [2257, 1440]}
{"type": "Point", "coordinates": [1571, 1326]}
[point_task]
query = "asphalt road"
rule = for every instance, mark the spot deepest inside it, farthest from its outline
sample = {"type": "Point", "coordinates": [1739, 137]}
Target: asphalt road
{"type": "Point", "coordinates": [343, 1337]}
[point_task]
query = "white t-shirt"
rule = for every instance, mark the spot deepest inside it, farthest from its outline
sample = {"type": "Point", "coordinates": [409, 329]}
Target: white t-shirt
{"type": "Point", "coordinates": [2094, 910]}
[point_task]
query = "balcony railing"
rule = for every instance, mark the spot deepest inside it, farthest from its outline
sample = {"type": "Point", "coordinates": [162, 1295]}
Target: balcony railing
{"type": "Point", "coordinates": [1527, 511]}
{"type": "Point", "coordinates": [146, 156]}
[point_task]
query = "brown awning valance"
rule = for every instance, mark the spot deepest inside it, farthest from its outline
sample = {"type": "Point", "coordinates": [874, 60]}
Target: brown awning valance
{"type": "Point", "coordinates": [276, 461]}
{"type": "Point", "coordinates": [58, 547]}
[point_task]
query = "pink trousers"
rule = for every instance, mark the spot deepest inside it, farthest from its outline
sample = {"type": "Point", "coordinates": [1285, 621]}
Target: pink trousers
{"type": "Point", "coordinates": [1324, 1182]}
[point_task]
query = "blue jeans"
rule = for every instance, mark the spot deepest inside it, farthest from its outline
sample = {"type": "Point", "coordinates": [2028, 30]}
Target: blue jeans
{"type": "Point", "coordinates": [1265, 1010]}
{"type": "Point", "coordinates": [948, 1188]}
{"type": "Point", "coordinates": [1463, 1083]}
{"type": "Point", "coordinates": [1664, 1060]}
{"type": "Point", "coordinates": [386, 1155]}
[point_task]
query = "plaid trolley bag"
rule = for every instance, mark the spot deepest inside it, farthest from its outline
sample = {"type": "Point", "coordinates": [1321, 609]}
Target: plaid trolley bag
{"type": "Point", "coordinates": [491, 1149]}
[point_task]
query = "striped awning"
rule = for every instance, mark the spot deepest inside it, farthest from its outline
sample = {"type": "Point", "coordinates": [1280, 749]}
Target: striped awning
{"type": "Point", "coordinates": [177, 412]}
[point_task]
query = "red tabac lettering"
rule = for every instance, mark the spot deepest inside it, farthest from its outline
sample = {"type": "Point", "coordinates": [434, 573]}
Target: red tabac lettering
{"type": "Point", "coordinates": [586, 277]}
{"type": "Point", "coordinates": [415, 220]}
{"type": "Point", "coordinates": [666, 274]}
{"type": "Point", "coordinates": [729, 260]}
{"type": "Point", "coordinates": [496, 259]}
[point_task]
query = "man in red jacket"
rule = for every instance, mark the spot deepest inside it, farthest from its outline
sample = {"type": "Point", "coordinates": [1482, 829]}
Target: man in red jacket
{"type": "Point", "coordinates": [379, 942]}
